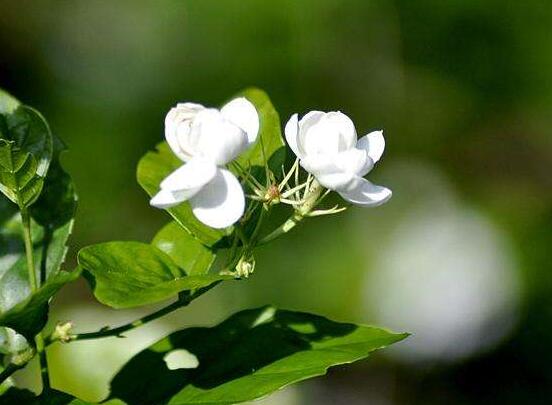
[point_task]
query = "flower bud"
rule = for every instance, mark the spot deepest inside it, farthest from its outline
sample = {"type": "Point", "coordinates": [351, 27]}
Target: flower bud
{"type": "Point", "coordinates": [63, 332]}
{"type": "Point", "coordinates": [245, 267]}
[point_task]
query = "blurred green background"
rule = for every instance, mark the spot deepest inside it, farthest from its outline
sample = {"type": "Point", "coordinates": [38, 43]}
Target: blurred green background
{"type": "Point", "coordinates": [461, 254]}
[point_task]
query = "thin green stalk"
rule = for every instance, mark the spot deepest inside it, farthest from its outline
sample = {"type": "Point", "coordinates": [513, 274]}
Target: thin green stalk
{"type": "Point", "coordinates": [118, 331]}
{"type": "Point", "coordinates": [26, 221]}
{"type": "Point", "coordinates": [287, 226]}
{"type": "Point", "coordinates": [43, 361]}
{"type": "Point", "coordinates": [311, 200]}
{"type": "Point", "coordinates": [39, 340]}
{"type": "Point", "coordinates": [265, 210]}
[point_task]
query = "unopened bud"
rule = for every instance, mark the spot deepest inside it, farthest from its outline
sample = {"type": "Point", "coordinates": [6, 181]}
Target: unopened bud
{"type": "Point", "coordinates": [245, 267]}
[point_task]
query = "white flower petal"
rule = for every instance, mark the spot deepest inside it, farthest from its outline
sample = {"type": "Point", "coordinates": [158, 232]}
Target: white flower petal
{"type": "Point", "coordinates": [354, 161]}
{"type": "Point", "coordinates": [332, 133]}
{"type": "Point", "coordinates": [327, 173]}
{"type": "Point", "coordinates": [292, 131]}
{"type": "Point", "coordinates": [309, 119]}
{"type": "Point", "coordinates": [221, 202]}
{"type": "Point", "coordinates": [374, 144]}
{"type": "Point", "coordinates": [191, 176]}
{"type": "Point", "coordinates": [319, 164]}
{"type": "Point", "coordinates": [243, 113]}
{"type": "Point", "coordinates": [217, 138]}
{"type": "Point", "coordinates": [336, 181]}
{"type": "Point", "coordinates": [166, 199]}
{"type": "Point", "coordinates": [366, 194]}
{"type": "Point", "coordinates": [338, 171]}
{"type": "Point", "coordinates": [177, 126]}
{"type": "Point", "coordinates": [348, 135]}
{"type": "Point", "coordinates": [305, 124]}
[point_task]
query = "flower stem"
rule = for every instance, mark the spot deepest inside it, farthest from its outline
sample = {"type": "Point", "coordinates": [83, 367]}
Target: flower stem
{"type": "Point", "coordinates": [26, 221]}
{"type": "Point", "coordinates": [287, 226]}
{"type": "Point", "coordinates": [118, 331]}
{"type": "Point", "coordinates": [41, 349]}
{"type": "Point", "coordinates": [39, 340]}
{"type": "Point", "coordinates": [311, 199]}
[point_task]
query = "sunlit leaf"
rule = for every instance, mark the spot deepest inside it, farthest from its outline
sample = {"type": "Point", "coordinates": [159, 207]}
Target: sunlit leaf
{"type": "Point", "coordinates": [248, 356]}
{"type": "Point", "coordinates": [186, 251]}
{"type": "Point", "coordinates": [21, 309]}
{"type": "Point", "coordinates": [52, 220]}
{"type": "Point", "coordinates": [26, 149]}
{"type": "Point", "coordinates": [132, 274]}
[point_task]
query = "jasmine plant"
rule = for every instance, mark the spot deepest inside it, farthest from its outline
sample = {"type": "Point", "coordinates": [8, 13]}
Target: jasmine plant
{"type": "Point", "coordinates": [219, 174]}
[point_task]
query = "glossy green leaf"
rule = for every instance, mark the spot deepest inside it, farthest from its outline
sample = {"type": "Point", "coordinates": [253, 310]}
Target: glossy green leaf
{"type": "Point", "coordinates": [248, 356]}
{"type": "Point", "coordinates": [186, 251]}
{"type": "Point", "coordinates": [26, 149]}
{"type": "Point", "coordinates": [270, 143]}
{"type": "Point", "coordinates": [152, 169]}
{"type": "Point", "coordinates": [29, 315]}
{"type": "Point", "coordinates": [18, 174]}
{"type": "Point", "coordinates": [20, 309]}
{"type": "Point", "coordinates": [132, 274]}
{"type": "Point", "coordinates": [51, 224]}
{"type": "Point", "coordinates": [57, 204]}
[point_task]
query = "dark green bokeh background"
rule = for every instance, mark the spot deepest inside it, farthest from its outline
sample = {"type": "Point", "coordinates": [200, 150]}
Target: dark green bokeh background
{"type": "Point", "coordinates": [463, 90]}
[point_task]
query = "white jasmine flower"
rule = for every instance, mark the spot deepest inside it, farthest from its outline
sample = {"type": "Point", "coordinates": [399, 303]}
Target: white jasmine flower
{"type": "Point", "coordinates": [207, 139]}
{"type": "Point", "coordinates": [327, 147]}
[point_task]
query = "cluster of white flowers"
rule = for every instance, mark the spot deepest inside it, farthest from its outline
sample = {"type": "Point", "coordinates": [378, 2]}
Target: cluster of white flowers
{"type": "Point", "coordinates": [207, 139]}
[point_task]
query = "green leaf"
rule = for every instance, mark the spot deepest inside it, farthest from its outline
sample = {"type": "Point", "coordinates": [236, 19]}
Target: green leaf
{"type": "Point", "coordinates": [186, 251]}
{"type": "Point", "coordinates": [50, 228]}
{"type": "Point", "coordinates": [132, 274]}
{"type": "Point", "coordinates": [57, 204]}
{"type": "Point", "coordinates": [152, 169]}
{"type": "Point", "coordinates": [248, 356]}
{"type": "Point", "coordinates": [19, 309]}
{"type": "Point", "coordinates": [8, 103]}
{"type": "Point", "coordinates": [29, 316]}
{"type": "Point", "coordinates": [270, 143]}
{"type": "Point", "coordinates": [18, 174]}
{"type": "Point", "coordinates": [26, 149]}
